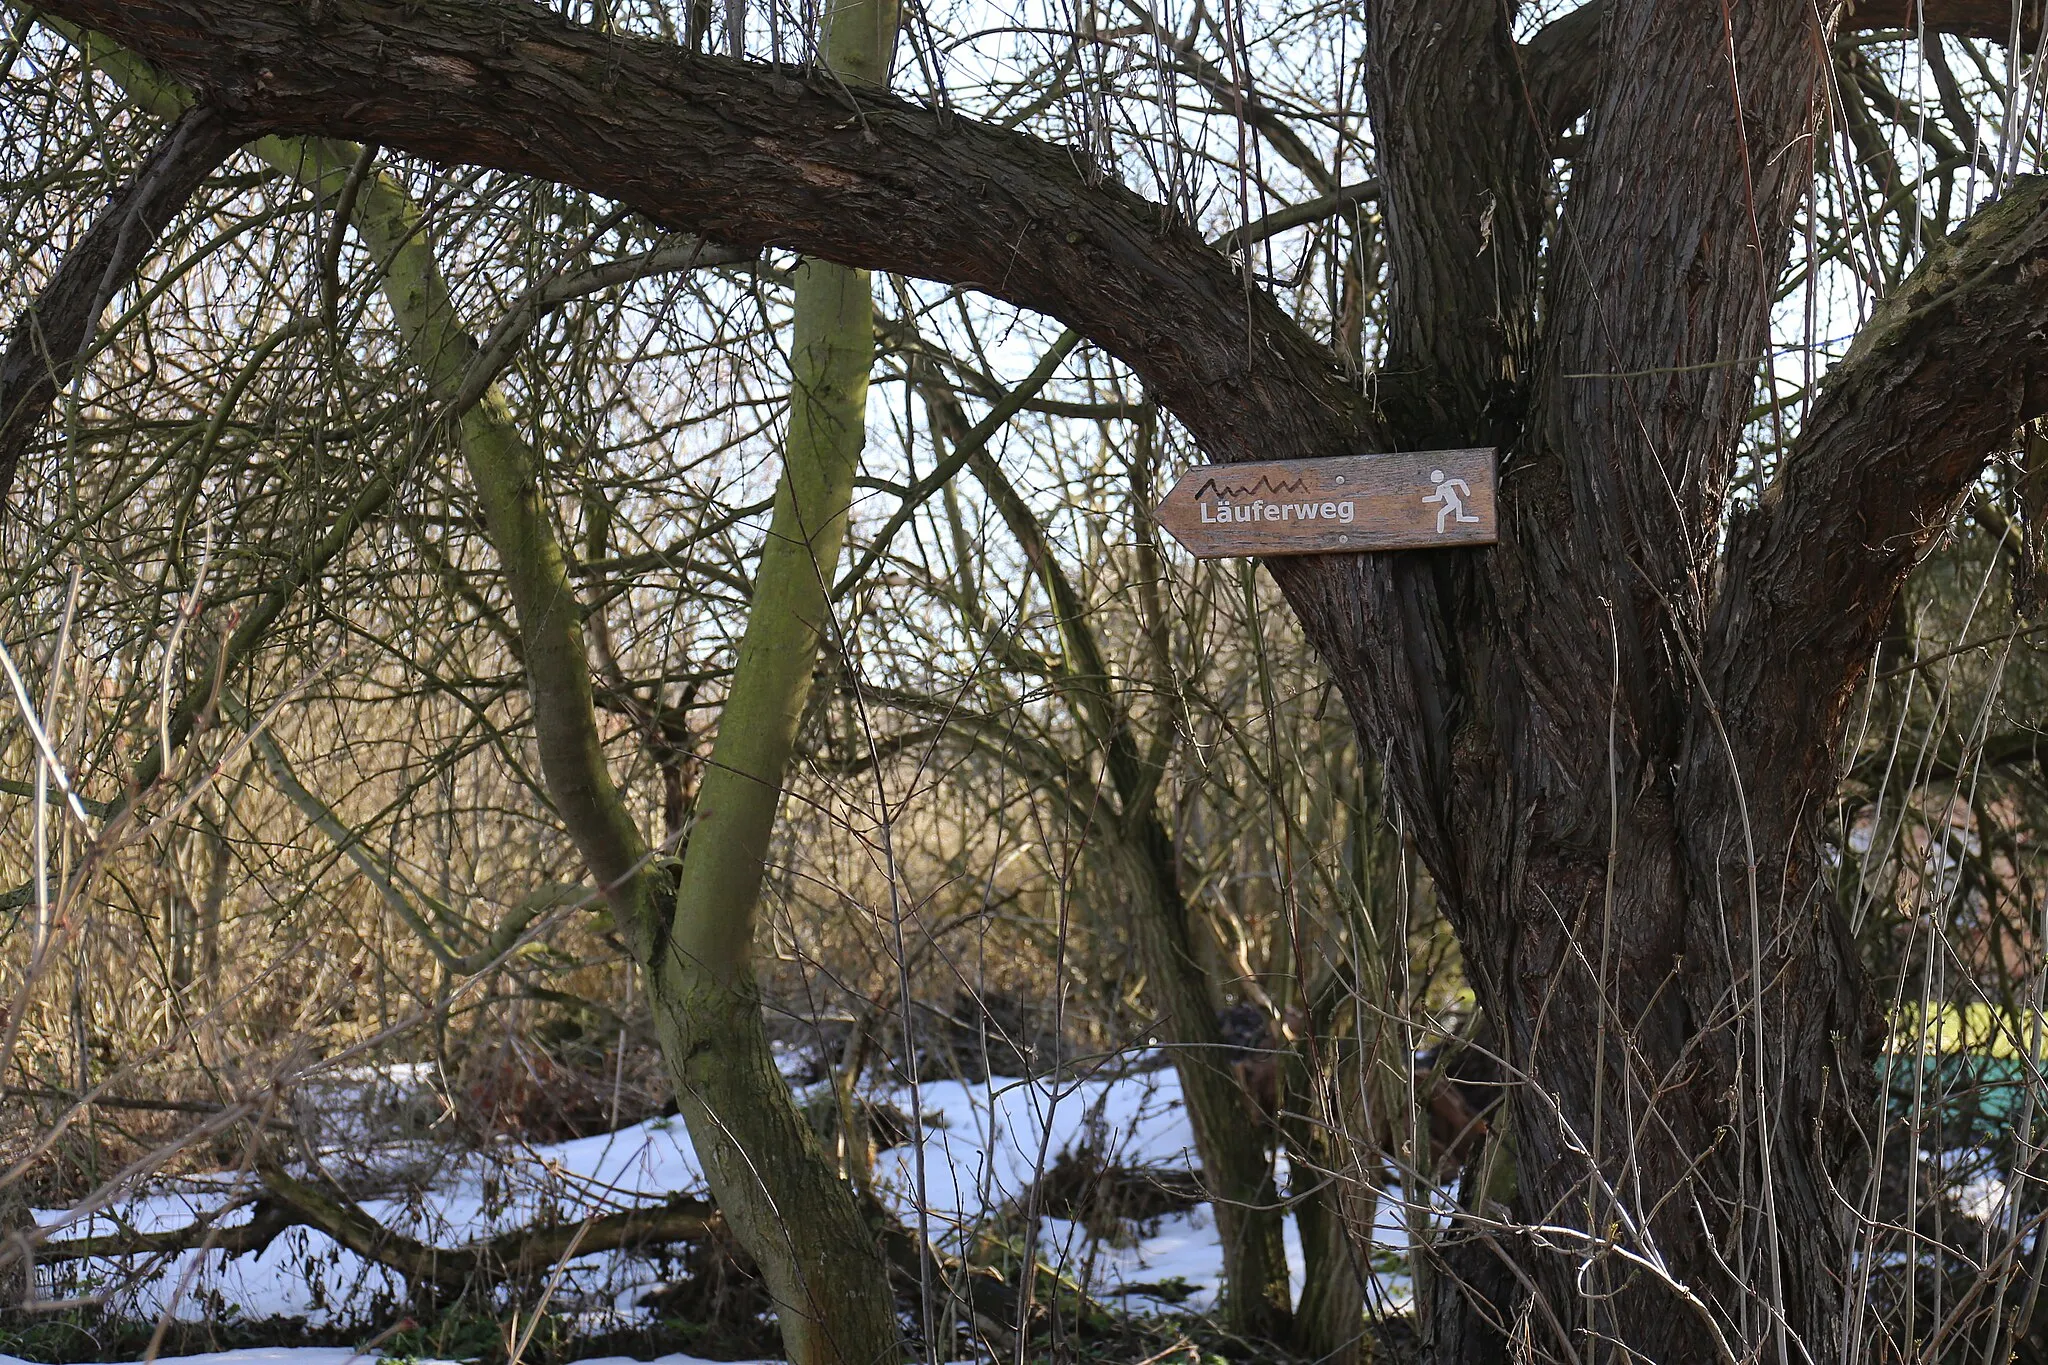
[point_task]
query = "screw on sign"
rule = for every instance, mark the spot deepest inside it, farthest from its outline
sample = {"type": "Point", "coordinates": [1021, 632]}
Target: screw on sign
{"type": "Point", "coordinates": [1402, 501]}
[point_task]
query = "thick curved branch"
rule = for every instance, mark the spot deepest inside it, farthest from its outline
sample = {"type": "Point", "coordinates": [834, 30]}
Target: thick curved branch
{"type": "Point", "coordinates": [1565, 60]}
{"type": "Point", "coordinates": [1939, 381]}
{"type": "Point", "coordinates": [1994, 19]}
{"type": "Point", "coordinates": [52, 336]}
{"type": "Point", "coordinates": [752, 155]}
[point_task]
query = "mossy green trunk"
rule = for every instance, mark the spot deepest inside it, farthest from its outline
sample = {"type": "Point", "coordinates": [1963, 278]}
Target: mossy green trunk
{"type": "Point", "coordinates": [772, 1179]}
{"type": "Point", "coordinates": [777, 1187]}
{"type": "Point", "coordinates": [1230, 1134]}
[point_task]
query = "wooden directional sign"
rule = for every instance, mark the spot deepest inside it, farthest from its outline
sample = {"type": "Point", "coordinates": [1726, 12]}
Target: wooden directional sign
{"type": "Point", "coordinates": [1348, 502]}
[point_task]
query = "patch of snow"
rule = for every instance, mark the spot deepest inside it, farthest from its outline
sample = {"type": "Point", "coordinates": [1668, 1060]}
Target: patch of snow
{"type": "Point", "coordinates": [342, 1355]}
{"type": "Point", "coordinates": [255, 1355]}
{"type": "Point", "coordinates": [981, 1148]}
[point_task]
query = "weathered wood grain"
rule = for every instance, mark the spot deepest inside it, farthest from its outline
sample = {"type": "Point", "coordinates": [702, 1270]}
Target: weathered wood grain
{"type": "Point", "coordinates": [1411, 500]}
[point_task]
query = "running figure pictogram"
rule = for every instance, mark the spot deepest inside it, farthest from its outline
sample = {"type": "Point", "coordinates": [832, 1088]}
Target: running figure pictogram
{"type": "Point", "coordinates": [1452, 494]}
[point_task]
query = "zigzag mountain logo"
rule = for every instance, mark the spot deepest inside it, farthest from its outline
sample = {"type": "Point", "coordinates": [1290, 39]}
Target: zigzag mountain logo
{"type": "Point", "coordinates": [1266, 485]}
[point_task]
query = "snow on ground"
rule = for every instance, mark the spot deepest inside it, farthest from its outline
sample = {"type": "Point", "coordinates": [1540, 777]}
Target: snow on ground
{"type": "Point", "coordinates": [305, 1274]}
{"type": "Point", "coordinates": [261, 1355]}
{"type": "Point", "coordinates": [993, 1140]}
{"type": "Point", "coordinates": [341, 1355]}
{"type": "Point", "coordinates": [981, 1148]}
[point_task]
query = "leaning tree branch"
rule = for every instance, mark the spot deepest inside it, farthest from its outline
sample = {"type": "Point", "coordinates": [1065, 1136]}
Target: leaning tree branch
{"type": "Point", "coordinates": [52, 336]}
{"type": "Point", "coordinates": [1237, 95]}
{"type": "Point", "coordinates": [508, 1253]}
{"type": "Point", "coordinates": [257, 1234]}
{"type": "Point", "coordinates": [288, 1202]}
{"type": "Point", "coordinates": [975, 441]}
{"type": "Point", "coordinates": [523, 317]}
{"type": "Point", "coordinates": [2012, 749]}
{"type": "Point", "coordinates": [1562, 64]}
{"type": "Point", "coordinates": [1341, 200]}
{"type": "Point", "coordinates": [1564, 61]}
{"type": "Point", "coordinates": [1938, 381]}
{"type": "Point", "coordinates": [753, 155]}
{"type": "Point", "coordinates": [384, 876]}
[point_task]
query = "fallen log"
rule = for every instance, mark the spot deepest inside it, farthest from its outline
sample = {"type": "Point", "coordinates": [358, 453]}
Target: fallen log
{"type": "Point", "coordinates": [289, 1202]}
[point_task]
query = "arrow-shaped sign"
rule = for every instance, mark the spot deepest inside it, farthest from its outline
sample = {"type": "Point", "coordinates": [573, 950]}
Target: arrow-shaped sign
{"type": "Point", "coordinates": [1345, 503]}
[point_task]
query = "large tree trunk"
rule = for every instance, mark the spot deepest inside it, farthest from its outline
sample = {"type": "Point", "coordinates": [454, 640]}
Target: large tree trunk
{"type": "Point", "coordinates": [1542, 715]}
{"type": "Point", "coordinates": [1636, 889]}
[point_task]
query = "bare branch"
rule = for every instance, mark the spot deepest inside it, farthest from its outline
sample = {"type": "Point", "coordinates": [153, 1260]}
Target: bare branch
{"type": "Point", "coordinates": [289, 1202]}
{"type": "Point", "coordinates": [52, 337]}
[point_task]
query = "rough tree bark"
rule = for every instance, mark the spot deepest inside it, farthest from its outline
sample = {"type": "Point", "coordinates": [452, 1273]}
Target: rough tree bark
{"type": "Point", "coordinates": [1611, 734]}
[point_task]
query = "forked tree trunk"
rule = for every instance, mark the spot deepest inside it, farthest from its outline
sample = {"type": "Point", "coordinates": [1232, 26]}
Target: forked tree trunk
{"type": "Point", "coordinates": [1680, 1017]}
{"type": "Point", "coordinates": [773, 1181]}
